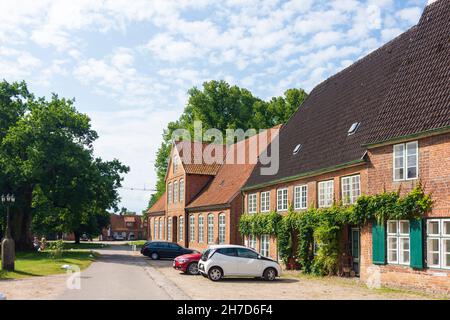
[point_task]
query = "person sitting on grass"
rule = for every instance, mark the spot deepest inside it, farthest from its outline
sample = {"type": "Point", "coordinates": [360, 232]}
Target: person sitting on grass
{"type": "Point", "coordinates": [36, 244]}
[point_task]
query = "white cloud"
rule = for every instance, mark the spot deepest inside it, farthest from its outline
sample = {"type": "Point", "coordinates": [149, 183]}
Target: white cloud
{"type": "Point", "coordinates": [411, 15]}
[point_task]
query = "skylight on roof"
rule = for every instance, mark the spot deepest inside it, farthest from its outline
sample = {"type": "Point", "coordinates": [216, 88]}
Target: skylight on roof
{"type": "Point", "coordinates": [353, 128]}
{"type": "Point", "coordinates": [297, 149]}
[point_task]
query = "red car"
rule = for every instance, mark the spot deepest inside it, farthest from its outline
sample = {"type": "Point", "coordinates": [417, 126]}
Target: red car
{"type": "Point", "coordinates": [188, 263]}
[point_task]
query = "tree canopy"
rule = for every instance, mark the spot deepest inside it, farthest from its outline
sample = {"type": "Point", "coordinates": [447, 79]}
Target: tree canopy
{"type": "Point", "coordinates": [222, 106]}
{"type": "Point", "coordinates": [47, 161]}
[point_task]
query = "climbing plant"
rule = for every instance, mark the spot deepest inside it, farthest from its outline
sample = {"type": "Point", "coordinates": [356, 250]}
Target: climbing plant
{"type": "Point", "coordinates": [316, 232]}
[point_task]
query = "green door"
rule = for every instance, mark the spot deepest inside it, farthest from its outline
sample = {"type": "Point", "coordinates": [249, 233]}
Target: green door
{"type": "Point", "coordinates": [355, 249]}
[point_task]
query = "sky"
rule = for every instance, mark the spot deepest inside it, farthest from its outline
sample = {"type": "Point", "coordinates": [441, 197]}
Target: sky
{"type": "Point", "coordinates": [129, 64]}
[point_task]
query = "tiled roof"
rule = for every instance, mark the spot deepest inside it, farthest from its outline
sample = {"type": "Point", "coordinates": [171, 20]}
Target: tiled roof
{"type": "Point", "coordinates": [159, 206]}
{"type": "Point", "coordinates": [419, 98]}
{"type": "Point", "coordinates": [322, 122]}
{"type": "Point", "coordinates": [232, 176]}
{"type": "Point", "coordinates": [402, 88]}
{"type": "Point", "coordinates": [194, 162]}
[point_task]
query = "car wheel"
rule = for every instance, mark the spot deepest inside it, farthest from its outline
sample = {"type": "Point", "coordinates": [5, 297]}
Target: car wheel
{"type": "Point", "coordinates": [192, 268]}
{"type": "Point", "coordinates": [154, 256]}
{"type": "Point", "coordinates": [215, 274]}
{"type": "Point", "coordinates": [269, 274]}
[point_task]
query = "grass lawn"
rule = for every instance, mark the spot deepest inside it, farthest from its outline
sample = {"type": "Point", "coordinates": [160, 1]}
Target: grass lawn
{"type": "Point", "coordinates": [84, 245]}
{"type": "Point", "coordinates": [29, 264]}
{"type": "Point", "coordinates": [138, 243]}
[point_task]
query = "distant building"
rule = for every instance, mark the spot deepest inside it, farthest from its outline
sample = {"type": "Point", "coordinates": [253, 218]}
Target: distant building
{"type": "Point", "coordinates": [125, 227]}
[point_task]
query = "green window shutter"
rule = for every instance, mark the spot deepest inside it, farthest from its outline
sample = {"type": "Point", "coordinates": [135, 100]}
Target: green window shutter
{"type": "Point", "coordinates": [378, 244]}
{"type": "Point", "coordinates": [416, 243]}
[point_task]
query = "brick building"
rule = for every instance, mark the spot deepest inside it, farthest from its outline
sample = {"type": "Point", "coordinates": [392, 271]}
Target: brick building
{"type": "Point", "coordinates": [125, 227]}
{"type": "Point", "coordinates": [381, 124]}
{"type": "Point", "coordinates": [203, 201]}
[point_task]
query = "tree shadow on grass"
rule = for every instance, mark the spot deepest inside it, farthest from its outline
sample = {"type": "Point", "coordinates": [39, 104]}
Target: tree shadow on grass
{"type": "Point", "coordinates": [4, 274]}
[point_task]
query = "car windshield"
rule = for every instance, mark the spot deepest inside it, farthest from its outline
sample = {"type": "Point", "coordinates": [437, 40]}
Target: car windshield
{"type": "Point", "coordinates": [205, 254]}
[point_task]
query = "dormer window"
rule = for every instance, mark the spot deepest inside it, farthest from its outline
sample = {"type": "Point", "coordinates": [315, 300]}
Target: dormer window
{"type": "Point", "coordinates": [354, 127]}
{"type": "Point", "coordinates": [296, 149]}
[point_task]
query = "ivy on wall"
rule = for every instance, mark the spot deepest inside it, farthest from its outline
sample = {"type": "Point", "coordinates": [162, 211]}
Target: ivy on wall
{"type": "Point", "coordinates": [311, 237]}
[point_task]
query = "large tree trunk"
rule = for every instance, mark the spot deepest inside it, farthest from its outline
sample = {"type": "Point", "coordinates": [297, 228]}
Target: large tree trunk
{"type": "Point", "coordinates": [77, 237]}
{"type": "Point", "coordinates": [20, 223]}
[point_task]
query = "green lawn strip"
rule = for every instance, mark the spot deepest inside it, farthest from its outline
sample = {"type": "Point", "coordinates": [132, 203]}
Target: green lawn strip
{"type": "Point", "coordinates": [138, 243]}
{"type": "Point", "coordinates": [84, 245]}
{"type": "Point", "coordinates": [29, 264]}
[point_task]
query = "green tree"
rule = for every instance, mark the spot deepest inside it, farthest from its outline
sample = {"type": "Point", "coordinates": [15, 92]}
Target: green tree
{"type": "Point", "coordinates": [46, 160]}
{"type": "Point", "coordinates": [221, 106]}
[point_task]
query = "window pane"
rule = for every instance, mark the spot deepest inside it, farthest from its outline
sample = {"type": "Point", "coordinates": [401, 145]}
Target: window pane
{"type": "Point", "coordinates": [245, 253]}
{"type": "Point", "coordinates": [446, 252]}
{"type": "Point", "coordinates": [446, 228]}
{"type": "Point", "coordinates": [404, 227]}
{"type": "Point", "coordinates": [398, 150]}
{"type": "Point", "coordinates": [411, 148]}
{"type": "Point", "coordinates": [433, 227]}
{"type": "Point", "coordinates": [404, 249]}
{"type": "Point", "coordinates": [433, 252]}
{"type": "Point", "coordinates": [392, 227]}
{"type": "Point", "coordinates": [412, 173]}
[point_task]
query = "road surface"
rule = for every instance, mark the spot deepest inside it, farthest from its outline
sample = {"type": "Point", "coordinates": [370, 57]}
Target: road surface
{"type": "Point", "coordinates": [120, 273]}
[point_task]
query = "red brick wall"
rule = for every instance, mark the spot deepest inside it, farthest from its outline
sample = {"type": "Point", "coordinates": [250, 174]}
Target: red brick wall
{"type": "Point", "coordinates": [434, 173]}
{"type": "Point", "coordinates": [312, 183]}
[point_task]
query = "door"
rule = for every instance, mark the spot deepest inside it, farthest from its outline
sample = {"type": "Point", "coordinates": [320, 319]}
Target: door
{"type": "Point", "coordinates": [355, 248]}
{"type": "Point", "coordinates": [249, 264]}
{"type": "Point", "coordinates": [227, 259]}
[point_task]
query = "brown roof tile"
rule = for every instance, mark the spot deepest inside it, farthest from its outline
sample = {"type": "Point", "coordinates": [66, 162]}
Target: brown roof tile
{"type": "Point", "coordinates": [193, 160]}
{"type": "Point", "coordinates": [322, 122]}
{"type": "Point", "coordinates": [419, 98]}
{"type": "Point", "coordinates": [159, 206]}
{"type": "Point", "coordinates": [232, 176]}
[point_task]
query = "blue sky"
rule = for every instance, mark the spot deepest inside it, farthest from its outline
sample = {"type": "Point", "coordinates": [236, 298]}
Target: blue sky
{"type": "Point", "coordinates": [129, 64]}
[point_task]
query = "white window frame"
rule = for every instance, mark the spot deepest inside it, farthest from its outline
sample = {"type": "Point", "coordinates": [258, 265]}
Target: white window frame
{"type": "Point", "coordinates": [399, 236]}
{"type": "Point", "coordinates": [210, 222]}
{"type": "Point", "coordinates": [301, 197]}
{"type": "Point", "coordinates": [201, 229]}
{"type": "Point", "coordinates": [181, 186]}
{"type": "Point", "coordinates": [252, 241]}
{"type": "Point", "coordinates": [180, 229]}
{"type": "Point", "coordinates": [404, 165]}
{"type": "Point", "coordinates": [323, 188]}
{"type": "Point", "coordinates": [169, 193]}
{"type": "Point", "coordinates": [282, 199]}
{"type": "Point", "coordinates": [441, 237]}
{"type": "Point", "coordinates": [169, 229]}
{"type": "Point", "coordinates": [265, 201]}
{"type": "Point", "coordinates": [252, 201]}
{"type": "Point", "coordinates": [175, 164]}
{"type": "Point", "coordinates": [191, 228]}
{"type": "Point", "coordinates": [155, 228]}
{"type": "Point", "coordinates": [348, 186]}
{"type": "Point", "coordinates": [160, 232]}
{"type": "Point", "coordinates": [265, 245]}
{"type": "Point", "coordinates": [175, 191]}
{"type": "Point", "coordinates": [222, 228]}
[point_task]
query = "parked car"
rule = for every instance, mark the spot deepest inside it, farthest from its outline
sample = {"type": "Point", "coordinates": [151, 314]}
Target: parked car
{"type": "Point", "coordinates": [119, 238]}
{"type": "Point", "coordinates": [188, 263]}
{"type": "Point", "coordinates": [164, 250]}
{"type": "Point", "coordinates": [232, 260]}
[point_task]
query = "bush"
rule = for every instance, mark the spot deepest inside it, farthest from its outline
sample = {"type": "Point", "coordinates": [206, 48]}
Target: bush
{"type": "Point", "coordinates": [56, 249]}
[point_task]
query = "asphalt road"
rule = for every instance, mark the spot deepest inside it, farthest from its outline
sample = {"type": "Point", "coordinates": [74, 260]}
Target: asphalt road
{"type": "Point", "coordinates": [121, 274]}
